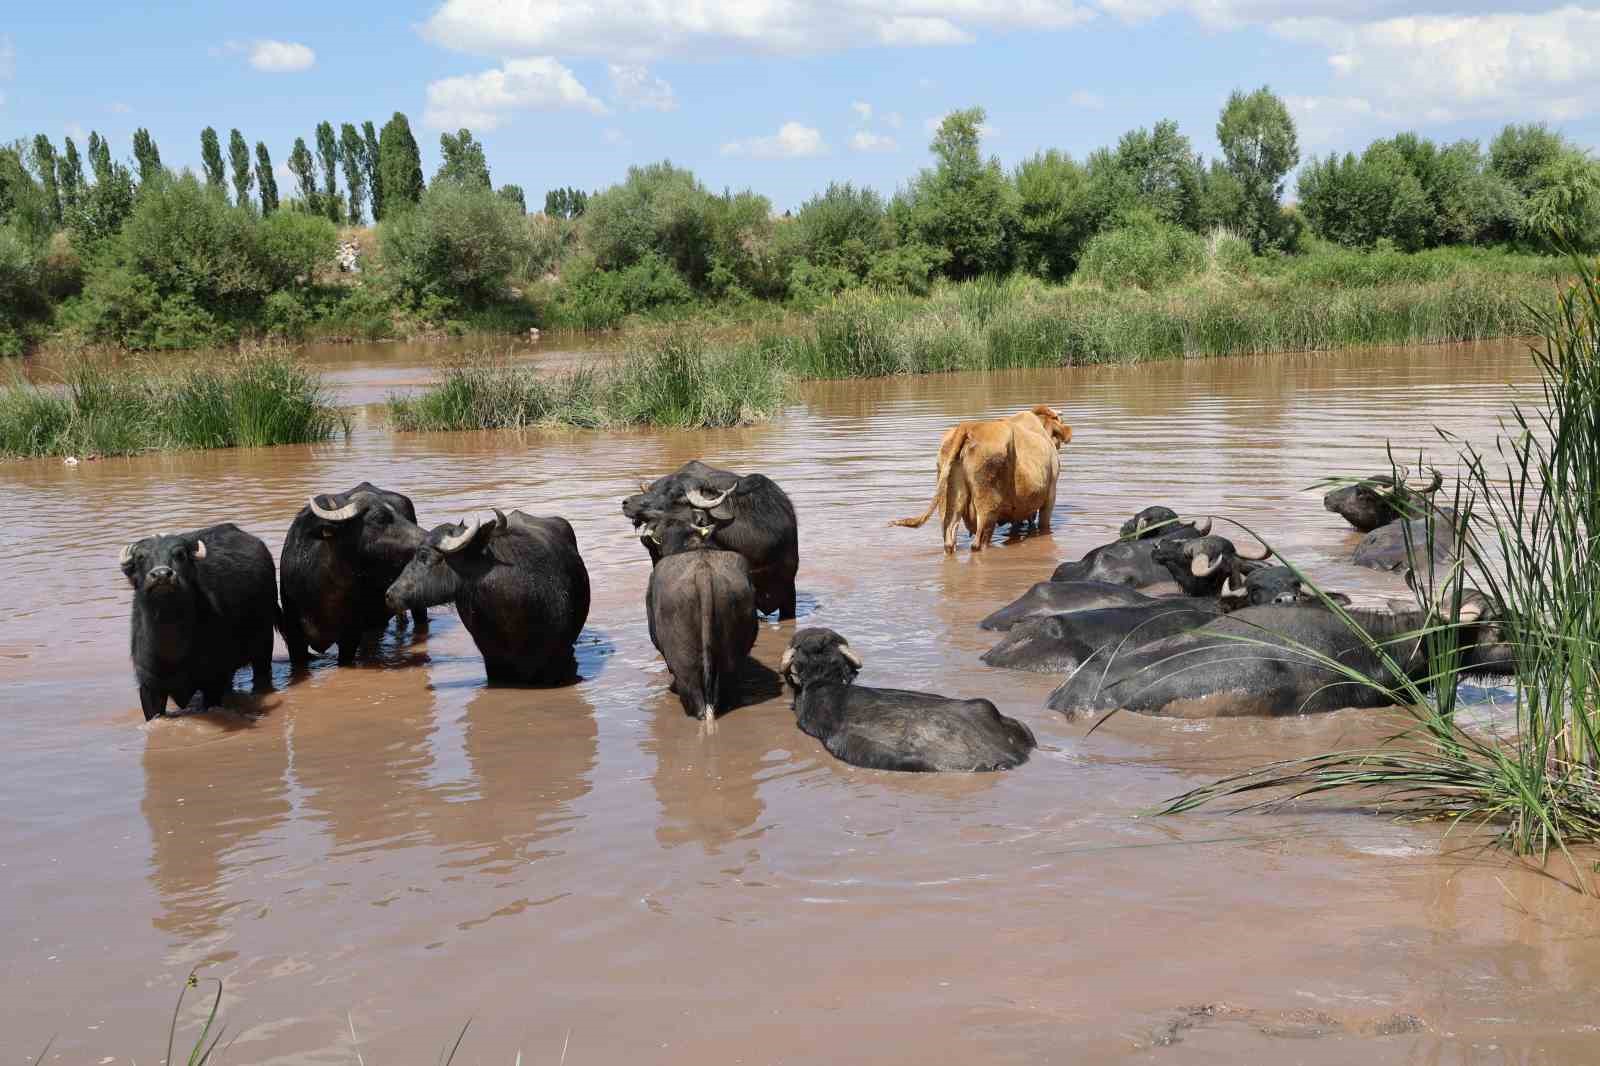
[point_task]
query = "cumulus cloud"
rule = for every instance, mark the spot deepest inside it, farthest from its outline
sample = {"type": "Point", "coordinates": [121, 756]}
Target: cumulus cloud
{"type": "Point", "coordinates": [792, 141]}
{"type": "Point", "coordinates": [613, 28]}
{"type": "Point", "coordinates": [1087, 100]}
{"type": "Point", "coordinates": [867, 141]}
{"type": "Point", "coordinates": [281, 57]}
{"type": "Point", "coordinates": [637, 88]}
{"type": "Point", "coordinates": [486, 99]}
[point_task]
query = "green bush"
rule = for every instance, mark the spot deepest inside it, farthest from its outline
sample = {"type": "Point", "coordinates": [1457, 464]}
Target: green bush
{"type": "Point", "coordinates": [294, 244]}
{"type": "Point", "coordinates": [285, 314]}
{"type": "Point", "coordinates": [1147, 254]}
{"type": "Point", "coordinates": [459, 242]}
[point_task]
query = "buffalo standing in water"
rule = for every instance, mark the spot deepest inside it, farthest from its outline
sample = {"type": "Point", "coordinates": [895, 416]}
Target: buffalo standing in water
{"type": "Point", "coordinates": [701, 608]}
{"type": "Point", "coordinates": [518, 584]}
{"type": "Point", "coordinates": [754, 517]}
{"type": "Point", "coordinates": [1378, 500]}
{"type": "Point", "coordinates": [1272, 661]}
{"type": "Point", "coordinates": [203, 606]}
{"type": "Point", "coordinates": [891, 729]}
{"type": "Point", "coordinates": [341, 554]}
{"type": "Point", "coordinates": [1130, 561]}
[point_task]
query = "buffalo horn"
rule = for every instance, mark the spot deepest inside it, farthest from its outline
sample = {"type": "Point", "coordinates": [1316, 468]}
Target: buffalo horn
{"type": "Point", "coordinates": [644, 488]}
{"type": "Point", "coordinates": [454, 542]}
{"type": "Point", "coordinates": [1229, 592]}
{"type": "Point", "coordinates": [1202, 566]}
{"type": "Point", "coordinates": [699, 499]}
{"type": "Point", "coordinates": [341, 514]}
{"type": "Point", "coordinates": [1255, 555]}
{"type": "Point", "coordinates": [499, 518]}
{"type": "Point", "coordinates": [851, 657]}
{"type": "Point", "coordinates": [199, 549]}
{"type": "Point", "coordinates": [127, 554]}
{"type": "Point", "coordinates": [1203, 527]}
{"type": "Point", "coordinates": [1434, 484]}
{"type": "Point", "coordinates": [1472, 610]}
{"type": "Point", "coordinates": [783, 663]}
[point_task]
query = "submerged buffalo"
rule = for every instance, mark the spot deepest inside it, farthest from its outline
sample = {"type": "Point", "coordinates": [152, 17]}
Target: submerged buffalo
{"type": "Point", "coordinates": [1060, 643]}
{"type": "Point", "coordinates": [203, 606]}
{"type": "Point", "coordinates": [1061, 597]}
{"type": "Point", "coordinates": [1132, 562]}
{"type": "Point", "coordinates": [1275, 661]}
{"type": "Point", "coordinates": [341, 554]}
{"type": "Point", "coordinates": [1399, 545]}
{"type": "Point", "coordinates": [1202, 565]}
{"type": "Point", "coordinates": [754, 517]}
{"type": "Point", "coordinates": [891, 729]}
{"type": "Point", "coordinates": [701, 608]}
{"type": "Point", "coordinates": [1380, 499]}
{"type": "Point", "coordinates": [518, 584]}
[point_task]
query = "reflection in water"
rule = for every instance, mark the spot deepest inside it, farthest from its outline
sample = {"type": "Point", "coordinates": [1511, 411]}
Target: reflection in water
{"type": "Point", "coordinates": [394, 839]}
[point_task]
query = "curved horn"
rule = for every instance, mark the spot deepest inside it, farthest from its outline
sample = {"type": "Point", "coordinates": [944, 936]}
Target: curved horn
{"type": "Point", "coordinates": [783, 663]}
{"type": "Point", "coordinates": [499, 518]}
{"type": "Point", "coordinates": [1231, 593]}
{"type": "Point", "coordinates": [1202, 566]}
{"type": "Point", "coordinates": [454, 542]}
{"type": "Point", "coordinates": [1255, 555]}
{"type": "Point", "coordinates": [127, 553]}
{"type": "Point", "coordinates": [851, 657]}
{"type": "Point", "coordinates": [1434, 485]}
{"type": "Point", "coordinates": [1203, 527]}
{"type": "Point", "coordinates": [339, 514]}
{"type": "Point", "coordinates": [199, 549]}
{"type": "Point", "coordinates": [1472, 610]}
{"type": "Point", "coordinates": [699, 499]}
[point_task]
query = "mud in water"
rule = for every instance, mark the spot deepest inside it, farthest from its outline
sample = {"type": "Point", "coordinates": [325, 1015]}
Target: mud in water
{"type": "Point", "coordinates": [397, 846]}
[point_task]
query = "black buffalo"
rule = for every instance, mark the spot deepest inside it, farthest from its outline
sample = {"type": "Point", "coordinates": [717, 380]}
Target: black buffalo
{"type": "Point", "coordinates": [203, 605]}
{"type": "Point", "coordinates": [701, 610]}
{"type": "Point", "coordinates": [1201, 565]}
{"type": "Point", "coordinates": [1060, 643]}
{"type": "Point", "coordinates": [891, 729]}
{"type": "Point", "coordinates": [754, 518]}
{"type": "Point", "coordinates": [341, 554]}
{"type": "Point", "coordinates": [1130, 561]}
{"type": "Point", "coordinates": [518, 584]}
{"type": "Point", "coordinates": [1060, 597]}
{"type": "Point", "coordinates": [1398, 545]}
{"type": "Point", "coordinates": [1273, 661]}
{"type": "Point", "coordinates": [1378, 500]}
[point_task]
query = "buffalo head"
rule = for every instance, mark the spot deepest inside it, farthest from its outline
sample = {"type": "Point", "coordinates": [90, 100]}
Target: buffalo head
{"type": "Point", "coordinates": [1380, 499]}
{"type": "Point", "coordinates": [817, 656]}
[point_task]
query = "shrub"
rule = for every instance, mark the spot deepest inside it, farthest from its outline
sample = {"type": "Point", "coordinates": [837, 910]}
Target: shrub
{"type": "Point", "coordinates": [294, 244]}
{"type": "Point", "coordinates": [459, 242]}
{"type": "Point", "coordinates": [285, 314]}
{"type": "Point", "coordinates": [1147, 253]}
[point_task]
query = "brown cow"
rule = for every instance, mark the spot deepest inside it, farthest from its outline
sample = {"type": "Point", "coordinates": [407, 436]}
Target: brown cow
{"type": "Point", "coordinates": [997, 471]}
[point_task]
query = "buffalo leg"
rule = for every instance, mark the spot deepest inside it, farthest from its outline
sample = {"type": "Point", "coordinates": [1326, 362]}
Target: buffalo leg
{"type": "Point", "coordinates": [261, 662]}
{"type": "Point", "coordinates": [348, 644]}
{"type": "Point", "coordinates": [787, 610]}
{"type": "Point", "coordinates": [153, 700]}
{"type": "Point", "coordinates": [294, 638]}
{"type": "Point", "coordinates": [419, 617]}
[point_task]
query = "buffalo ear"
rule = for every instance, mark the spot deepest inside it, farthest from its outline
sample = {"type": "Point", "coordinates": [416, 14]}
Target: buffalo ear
{"type": "Point", "coordinates": [1338, 597]}
{"type": "Point", "coordinates": [199, 549]}
{"type": "Point", "coordinates": [722, 512]}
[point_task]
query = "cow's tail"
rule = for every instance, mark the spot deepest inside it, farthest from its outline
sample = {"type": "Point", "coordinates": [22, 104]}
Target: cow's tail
{"type": "Point", "coordinates": [710, 683]}
{"type": "Point", "coordinates": [949, 451]}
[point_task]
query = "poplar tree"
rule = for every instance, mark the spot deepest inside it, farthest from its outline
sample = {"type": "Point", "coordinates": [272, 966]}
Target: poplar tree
{"type": "Point", "coordinates": [462, 160]}
{"type": "Point", "coordinates": [266, 181]}
{"type": "Point", "coordinates": [99, 157]}
{"type": "Point", "coordinates": [512, 194]}
{"type": "Point", "coordinates": [305, 175]}
{"type": "Point", "coordinates": [353, 154]}
{"type": "Point", "coordinates": [211, 157]}
{"type": "Point", "coordinates": [44, 161]}
{"type": "Point", "coordinates": [369, 159]}
{"type": "Point", "coordinates": [399, 165]}
{"type": "Point", "coordinates": [69, 176]}
{"type": "Point", "coordinates": [239, 156]}
{"type": "Point", "coordinates": [328, 156]}
{"type": "Point", "coordinates": [147, 155]}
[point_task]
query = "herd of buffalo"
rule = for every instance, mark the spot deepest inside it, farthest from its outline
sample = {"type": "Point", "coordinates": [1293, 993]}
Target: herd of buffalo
{"type": "Point", "coordinates": [1168, 619]}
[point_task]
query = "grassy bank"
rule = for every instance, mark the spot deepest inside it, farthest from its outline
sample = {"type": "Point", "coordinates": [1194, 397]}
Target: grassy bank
{"type": "Point", "coordinates": [257, 400]}
{"type": "Point", "coordinates": [1527, 513]}
{"type": "Point", "coordinates": [677, 381]}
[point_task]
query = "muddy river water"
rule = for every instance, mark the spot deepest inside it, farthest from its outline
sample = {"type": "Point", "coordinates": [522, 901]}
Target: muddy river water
{"type": "Point", "coordinates": [397, 848]}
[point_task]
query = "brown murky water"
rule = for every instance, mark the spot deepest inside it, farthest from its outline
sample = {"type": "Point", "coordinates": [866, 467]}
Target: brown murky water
{"type": "Point", "coordinates": [397, 846]}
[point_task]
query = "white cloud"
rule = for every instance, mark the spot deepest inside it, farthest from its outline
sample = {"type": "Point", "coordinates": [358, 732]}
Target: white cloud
{"type": "Point", "coordinates": [893, 120]}
{"type": "Point", "coordinates": [638, 88]}
{"type": "Point", "coordinates": [863, 110]}
{"type": "Point", "coordinates": [1087, 100]}
{"type": "Point", "coordinates": [486, 99]}
{"type": "Point", "coordinates": [613, 28]}
{"type": "Point", "coordinates": [792, 141]}
{"type": "Point", "coordinates": [8, 58]}
{"type": "Point", "coordinates": [867, 141]}
{"type": "Point", "coordinates": [1328, 120]}
{"type": "Point", "coordinates": [281, 57]}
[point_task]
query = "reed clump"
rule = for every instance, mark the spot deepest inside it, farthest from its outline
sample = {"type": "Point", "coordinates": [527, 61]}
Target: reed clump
{"type": "Point", "coordinates": [1527, 515]}
{"type": "Point", "coordinates": [257, 399]}
{"type": "Point", "coordinates": [678, 380]}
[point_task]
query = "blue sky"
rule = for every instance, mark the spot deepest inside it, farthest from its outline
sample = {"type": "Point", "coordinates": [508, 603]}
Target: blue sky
{"type": "Point", "coordinates": [780, 95]}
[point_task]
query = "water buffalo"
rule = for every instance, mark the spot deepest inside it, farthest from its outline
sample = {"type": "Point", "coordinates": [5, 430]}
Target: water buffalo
{"type": "Point", "coordinates": [1201, 565]}
{"type": "Point", "coordinates": [518, 584]}
{"type": "Point", "coordinates": [1386, 548]}
{"type": "Point", "coordinates": [701, 609]}
{"type": "Point", "coordinates": [1131, 560]}
{"type": "Point", "coordinates": [1378, 500]}
{"type": "Point", "coordinates": [340, 556]}
{"type": "Point", "coordinates": [203, 605]}
{"type": "Point", "coordinates": [1060, 597]}
{"type": "Point", "coordinates": [1060, 643]}
{"type": "Point", "coordinates": [754, 518]}
{"type": "Point", "coordinates": [891, 729]}
{"type": "Point", "coordinates": [1271, 661]}
{"type": "Point", "coordinates": [994, 472]}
